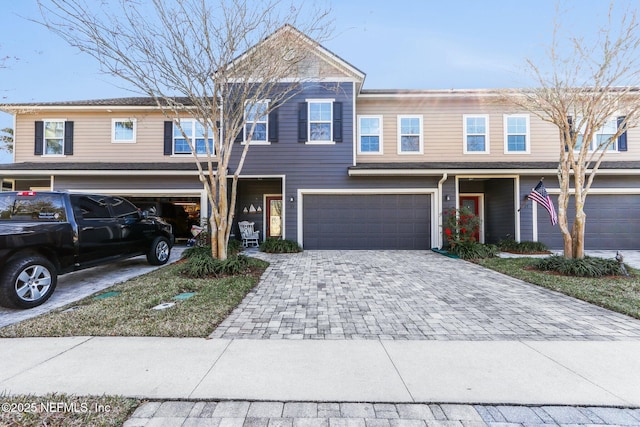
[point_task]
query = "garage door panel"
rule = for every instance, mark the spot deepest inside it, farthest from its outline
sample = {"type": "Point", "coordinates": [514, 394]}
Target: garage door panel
{"type": "Point", "coordinates": [612, 223]}
{"type": "Point", "coordinates": [387, 221]}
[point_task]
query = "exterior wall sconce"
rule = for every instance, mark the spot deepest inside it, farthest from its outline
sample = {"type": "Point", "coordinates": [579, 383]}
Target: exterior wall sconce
{"type": "Point", "coordinates": [292, 199]}
{"type": "Point", "coordinates": [447, 198]}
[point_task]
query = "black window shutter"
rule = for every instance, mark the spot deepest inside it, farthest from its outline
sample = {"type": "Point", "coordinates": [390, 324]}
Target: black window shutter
{"type": "Point", "coordinates": [273, 126]}
{"type": "Point", "coordinates": [337, 121]}
{"type": "Point", "coordinates": [237, 110]}
{"type": "Point", "coordinates": [168, 138]}
{"type": "Point", "coordinates": [68, 138]}
{"type": "Point", "coordinates": [571, 132]}
{"type": "Point", "coordinates": [622, 139]}
{"type": "Point", "coordinates": [240, 135]}
{"type": "Point", "coordinates": [39, 139]}
{"type": "Point", "coordinates": [302, 122]}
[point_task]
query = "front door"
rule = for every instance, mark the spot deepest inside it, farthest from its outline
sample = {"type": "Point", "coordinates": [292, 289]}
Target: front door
{"type": "Point", "coordinates": [274, 217]}
{"type": "Point", "coordinates": [474, 204]}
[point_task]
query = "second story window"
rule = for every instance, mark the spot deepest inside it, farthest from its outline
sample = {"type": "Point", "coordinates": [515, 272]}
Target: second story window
{"type": "Point", "coordinates": [320, 121]}
{"type": "Point", "coordinates": [123, 130]}
{"type": "Point", "coordinates": [603, 136]}
{"type": "Point", "coordinates": [370, 134]}
{"type": "Point", "coordinates": [476, 134]}
{"type": "Point", "coordinates": [195, 133]}
{"type": "Point", "coordinates": [516, 134]}
{"type": "Point", "coordinates": [53, 137]}
{"type": "Point", "coordinates": [256, 113]}
{"type": "Point", "coordinates": [410, 135]}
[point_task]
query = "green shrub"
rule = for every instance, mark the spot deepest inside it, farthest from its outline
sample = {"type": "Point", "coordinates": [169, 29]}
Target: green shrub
{"type": "Point", "coordinates": [201, 265]}
{"type": "Point", "coordinates": [585, 267]}
{"type": "Point", "coordinates": [474, 250]}
{"type": "Point", "coordinates": [279, 246]}
{"type": "Point", "coordinates": [194, 251]}
{"type": "Point", "coordinates": [525, 247]}
{"type": "Point", "coordinates": [234, 247]}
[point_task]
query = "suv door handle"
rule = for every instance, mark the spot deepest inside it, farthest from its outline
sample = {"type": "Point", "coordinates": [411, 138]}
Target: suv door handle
{"type": "Point", "coordinates": [88, 228]}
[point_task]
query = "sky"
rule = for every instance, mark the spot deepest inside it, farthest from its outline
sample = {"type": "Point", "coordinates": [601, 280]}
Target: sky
{"type": "Point", "coordinates": [398, 44]}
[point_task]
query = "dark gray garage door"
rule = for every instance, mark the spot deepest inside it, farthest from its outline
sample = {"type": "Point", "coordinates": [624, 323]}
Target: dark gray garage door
{"type": "Point", "coordinates": [613, 222]}
{"type": "Point", "coordinates": [381, 221]}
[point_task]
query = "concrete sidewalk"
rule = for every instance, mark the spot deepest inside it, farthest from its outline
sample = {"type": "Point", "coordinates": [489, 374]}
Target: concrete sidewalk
{"type": "Point", "coordinates": [487, 372]}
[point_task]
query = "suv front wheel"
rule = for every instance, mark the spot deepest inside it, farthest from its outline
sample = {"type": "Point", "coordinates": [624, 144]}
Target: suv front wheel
{"type": "Point", "coordinates": [159, 251]}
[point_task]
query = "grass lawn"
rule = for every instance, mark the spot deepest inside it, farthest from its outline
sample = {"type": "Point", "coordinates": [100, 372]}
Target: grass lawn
{"type": "Point", "coordinates": [64, 410]}
{"type": "Point", "coordinates": [621, 294]}
{"type": "Point", "coordinates": [130, 313]}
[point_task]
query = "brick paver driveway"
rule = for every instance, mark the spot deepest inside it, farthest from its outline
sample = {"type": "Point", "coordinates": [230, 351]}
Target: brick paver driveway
{"type": "Point", "coordinates": [409, 295]}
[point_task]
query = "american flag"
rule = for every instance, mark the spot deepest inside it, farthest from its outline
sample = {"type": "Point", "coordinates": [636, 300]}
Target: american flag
{"type": "Point", "coordinates": [540, 196]}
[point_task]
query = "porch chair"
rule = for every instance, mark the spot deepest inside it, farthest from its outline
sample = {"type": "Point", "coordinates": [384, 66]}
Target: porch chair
{"type": "Point", "coordinates": [249, 236]}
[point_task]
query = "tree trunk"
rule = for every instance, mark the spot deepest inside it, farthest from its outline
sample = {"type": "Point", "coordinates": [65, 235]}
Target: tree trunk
{"type": "Point", "coordinates": [223, 212]}
{"type": "Point", "coordinates": [578, 234]}
{"type": "Point", "coordinates": [563, 202]}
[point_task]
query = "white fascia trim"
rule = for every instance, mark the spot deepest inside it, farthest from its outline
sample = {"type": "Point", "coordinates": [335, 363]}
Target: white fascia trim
{"type": "Point", "coordinates": [428, 94]}
{"type": "Point", "coordinates": [22, 109]}
{"type": "Point", "coordinates": [429, 172]}
{"type": "Point", "coordinates": [337, 79]}
{"type": "Point", "coordinates": [601, 191]}
{"type": "Point", "coordinates": [98, 172]}
{"type": "Point", "coordinates": [435, 206]}
{"type": "Point", "coordinates": [477, 172]}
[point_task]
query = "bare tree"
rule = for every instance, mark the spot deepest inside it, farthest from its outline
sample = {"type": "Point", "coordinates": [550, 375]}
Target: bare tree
{"type": "Point", "coordinates": [208, 60]}
{"type": "Point", "coordinates": [589, 90]}
{"type": "Point", "coordinates": [6, 140]}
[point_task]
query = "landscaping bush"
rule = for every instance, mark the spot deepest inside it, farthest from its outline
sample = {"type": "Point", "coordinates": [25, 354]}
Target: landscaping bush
{"type": "Point", "coordinates": [200, 265]}
{"type": "Point", "coordinates": [474, 250]}
{"type": "Point", "coordinates": [194, 251]}
{"type": "Point", "coordinates": [585, 267]}
{"type": "Point", "coordinates": [279, 246]}
{"type": "Point", "coordinates": [460, 226]}
{"type": "Point", "coordinates": [234, 247]}
{"type": "Point", "coordinates": [525, 247]}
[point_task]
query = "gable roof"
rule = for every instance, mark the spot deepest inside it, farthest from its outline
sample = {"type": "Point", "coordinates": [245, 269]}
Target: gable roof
{"type": "Point", "coordinates": [320, 52]}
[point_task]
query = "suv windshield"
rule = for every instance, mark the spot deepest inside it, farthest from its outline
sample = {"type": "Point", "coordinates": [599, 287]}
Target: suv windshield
{"type": "Point", "coordinates": [32, 207]}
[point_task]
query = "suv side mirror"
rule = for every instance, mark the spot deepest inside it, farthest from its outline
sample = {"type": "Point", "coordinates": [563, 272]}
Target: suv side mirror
{"type": "Point", "coordinates": [144, 214]}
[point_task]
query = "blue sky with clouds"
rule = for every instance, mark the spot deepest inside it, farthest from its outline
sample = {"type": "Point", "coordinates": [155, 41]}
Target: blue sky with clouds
{"type": "Point", "coordinates": [400, 44]}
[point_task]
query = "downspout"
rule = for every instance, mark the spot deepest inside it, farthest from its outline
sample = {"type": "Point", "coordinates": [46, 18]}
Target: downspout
{"type": "Point", "coordinates": [442, 180]}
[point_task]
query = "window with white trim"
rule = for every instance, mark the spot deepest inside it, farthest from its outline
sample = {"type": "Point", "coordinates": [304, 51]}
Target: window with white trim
{"type": "Point", "coordinates": [320, 121]}
{"type": "Point", "coordinates": [53, 137]}
{"type": "Point", "coordinates": [410, 139]}
{"type": "Point", "coordinates": [257, 113]}
{"type": "Point", "coordinates": [195, 132]}
{"type": "Point", "coordinates": [516, 134]}
{"type": "Point", "coordinates": [370, 134]}
{"type": "Point", "coordinates": [476, 134]}
{"type": "Point", "coordinates": [123, 130]}
{"type": "Point", "coordinates": [601, 137]}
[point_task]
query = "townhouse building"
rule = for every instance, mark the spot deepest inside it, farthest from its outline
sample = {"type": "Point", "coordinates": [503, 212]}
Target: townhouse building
{"type": "Point", "coordinates": [338, 166]}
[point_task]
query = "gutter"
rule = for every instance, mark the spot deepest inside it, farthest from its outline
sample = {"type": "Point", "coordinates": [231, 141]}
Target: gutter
{"type": "Point", "coordinates": [445, 175]}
